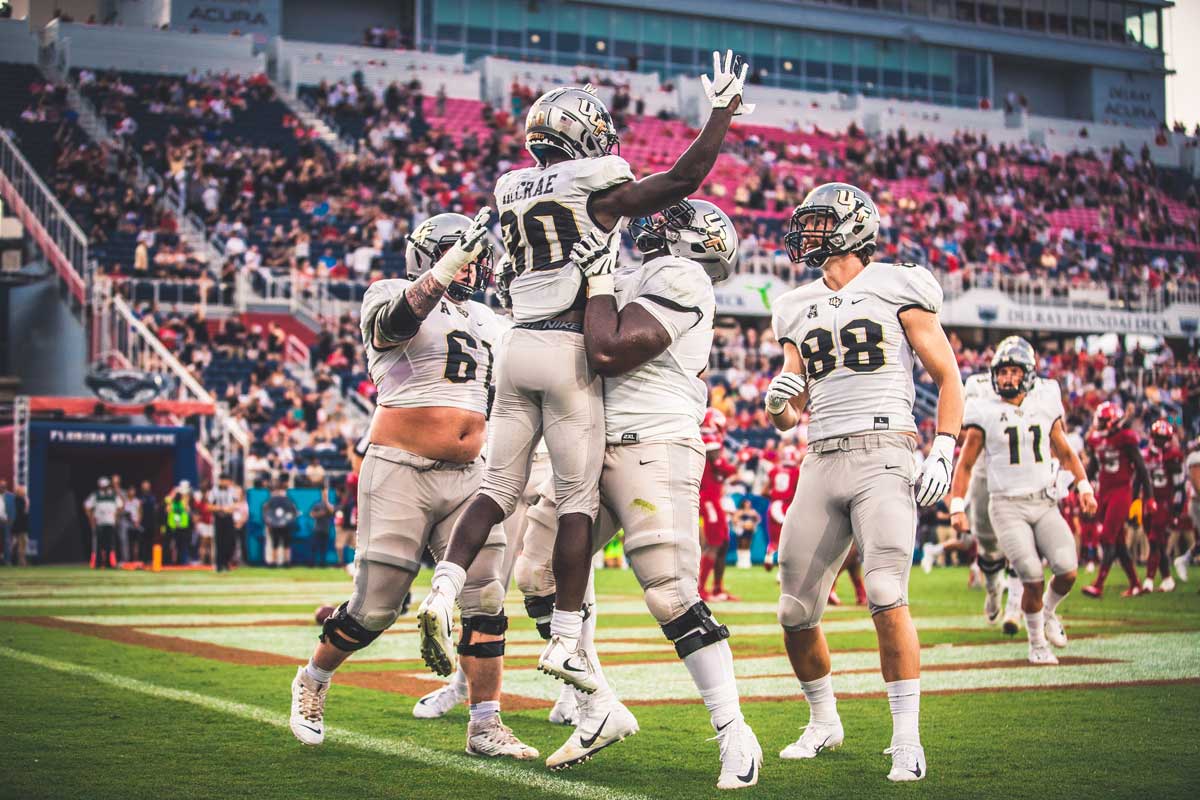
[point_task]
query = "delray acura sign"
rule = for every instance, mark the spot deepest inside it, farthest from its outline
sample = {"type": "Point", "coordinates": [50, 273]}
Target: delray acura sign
{"type": "Point", "coordinates": [227, 16]}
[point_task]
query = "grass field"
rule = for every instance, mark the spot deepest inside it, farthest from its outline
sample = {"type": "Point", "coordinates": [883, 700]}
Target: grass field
{"type": "Point", "coordinates": [136, 685]}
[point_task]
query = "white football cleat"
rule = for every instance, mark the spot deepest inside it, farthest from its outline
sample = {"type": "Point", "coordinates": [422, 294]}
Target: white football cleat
{"type": "Point", "coordinates": [741, 755]}
{"type": "Point", "coordinates": [1181, 565]}
{"type": "Point", "coordinates": [566, 708]}
{"type": "Point", "coordinates": [308, 708]}
{"type": "Point", "coordinates": [992, 603]}
{"type": "Point", "coordinates": [816, 738]}
{"type": "Point", "coordinates": [564, 660]}
{"type": "Point", "coordinates": [1148, 585]}
{"type": "Point", "coordinates": [598, 727]}
{"type": "Point", "coordinates": [1042, 655]}
{"type": "Point", "coordinates": [435, 621]}
{"type": "Point", "coordinates": [929, 555]}
{"type": "Point", "coordinates": [494, 739]}
{"type": "Point", "coordinates": [1168, 584]}
{"type": "Point", "coordinates": [439, 702]}
{"type": "Point", "coordinates": [908, 762]}
{"type": "Point", "coordinates": [1055, 633]}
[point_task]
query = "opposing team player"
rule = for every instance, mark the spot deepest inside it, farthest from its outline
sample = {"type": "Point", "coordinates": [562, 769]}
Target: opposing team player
{"type": "Point", "coordinates": [429, 353]}
{"type": "Point", "coordinates": [1164, 462]}
{"type": "Point", "coordinates": [781, 489]}
{"type": "Point", "coordinates": [717, 470]}
{"type": "Point", "coordinates": [545, 385]}
{"type": "Point", "coordinates": [848, 345]}
{"type": "Point", "coordinates": [1116, 456]}
{"type": "Point", "coordinates": [650, 340]}
{"type": "Point", "coordinates": [1021, 429]}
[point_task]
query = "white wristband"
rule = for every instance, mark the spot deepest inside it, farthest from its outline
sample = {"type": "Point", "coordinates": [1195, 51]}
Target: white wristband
{"type": "Point", "coordinates": [600, 284]}
{"type": "Point", "coordinates": [958, 505]}
{"type": "Point", "coordinates": [448, 266]}
{"type": "Point", "coordinates": [1084, 487]}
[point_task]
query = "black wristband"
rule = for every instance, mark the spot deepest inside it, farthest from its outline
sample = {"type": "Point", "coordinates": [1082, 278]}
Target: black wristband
{"type": "Point", "coordinates": [953, 436]}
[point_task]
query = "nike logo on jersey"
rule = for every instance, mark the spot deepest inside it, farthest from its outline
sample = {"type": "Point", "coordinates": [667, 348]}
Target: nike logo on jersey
{"type": "Point", "coordinates": [591, 740]}
{"type": "Point", "coordinates": [891, 466]}
{"type": "Point", "coordinates": [644, 463]}
{"type": "Point", "coordinates": [856, 302]}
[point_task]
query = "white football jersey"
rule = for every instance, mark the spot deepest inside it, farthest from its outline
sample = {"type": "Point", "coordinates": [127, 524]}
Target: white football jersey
{"type": "Point", "coordinates": [664, 399]}
{"type": "Point", "coordinates": [857, 360]}
{"type": "Point", "coordinates": [1016, 439]}
{"type": "Point", "coordinates": [447, 363]}
{"type": "Point", "coordinates": [543, 213]}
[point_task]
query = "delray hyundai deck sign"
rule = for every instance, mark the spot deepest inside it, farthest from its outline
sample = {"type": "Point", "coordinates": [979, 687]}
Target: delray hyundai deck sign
{"type": "Point", "coordinates": [227, 16]}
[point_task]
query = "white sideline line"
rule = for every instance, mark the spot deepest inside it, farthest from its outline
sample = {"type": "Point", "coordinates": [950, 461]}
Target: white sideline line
{"type": "Point", "coordinates": [436, 759]}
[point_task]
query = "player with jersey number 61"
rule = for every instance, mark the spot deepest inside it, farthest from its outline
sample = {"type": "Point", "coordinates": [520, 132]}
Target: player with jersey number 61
{"type": "Point", "coordinates": [848, 344]}
{"type": "Point", "coordinates": [1014, 427]}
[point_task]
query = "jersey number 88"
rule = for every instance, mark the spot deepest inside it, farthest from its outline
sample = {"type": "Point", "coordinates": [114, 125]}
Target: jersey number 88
{"type": "Point", "coordinates": [861, 351]}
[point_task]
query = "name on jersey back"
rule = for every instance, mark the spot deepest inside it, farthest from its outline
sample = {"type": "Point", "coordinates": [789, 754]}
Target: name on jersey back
{"type": "Point", "coordinates": [530, 188]}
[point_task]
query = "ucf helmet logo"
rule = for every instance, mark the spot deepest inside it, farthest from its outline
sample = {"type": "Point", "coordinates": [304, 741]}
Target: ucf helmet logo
{"type": "Point", "coordinates": [422, 233]}
{"type": "Point", "coordinates": [594, 116]}
{"type": "Point", "coordinates": [717, 238]}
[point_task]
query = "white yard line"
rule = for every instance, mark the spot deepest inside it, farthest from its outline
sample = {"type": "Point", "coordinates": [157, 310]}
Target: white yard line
{"type": "Point", "coordinates": [390, 746]}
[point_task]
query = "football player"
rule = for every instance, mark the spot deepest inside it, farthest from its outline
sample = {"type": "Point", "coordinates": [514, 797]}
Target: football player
{"type": "Point", "coordinates": [650, 340]}
{"type": "Point", "coordinates": [848, 343]}
{"type": "Point", "coordinates": [1116, 456]}
{"type": "Point", "coordinates": [1192, 467]}
{"type": "Point", "coordinates": [989, 558]}
{"type": "Point", "coordinates": [545, 385]}
{"type": "Point", "coordinates": [429, 352]}
{"type": "Point", "coordinates": [1164, 462]}
{"type": "Point", "coordinates": [781, 489]}
{"type": "Point", "coordinates": [1022, 431]}
{"type": "Point", "coordinates": [717, 470]}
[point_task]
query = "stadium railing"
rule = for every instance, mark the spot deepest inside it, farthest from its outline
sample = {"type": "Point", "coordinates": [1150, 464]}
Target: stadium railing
{"type": "Point", "coordinates": [63, 242]}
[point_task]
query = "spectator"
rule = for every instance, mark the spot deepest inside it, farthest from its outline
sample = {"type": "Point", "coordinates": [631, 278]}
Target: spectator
{"type": "Point", "coordinates": [103, 509]}
{"type": "Point", "coordinates": [5, 524]}
{"type": "Point", "coordinates": [279, 514]}
{"type": "Point", "coordinates": [347, 518]}
{"type": "Point", "coordinates": [150, 517]}
{"type": "Point", "coordinates": [179, 523]}
{"type": "Point", "coordinates": [745, 523]}
{"type": "Point", "coordinates": [322, 513]}
{"type": "Point", "coordinates": [204, 522]}
{"type": "Point", "coordinates": [20, 526]}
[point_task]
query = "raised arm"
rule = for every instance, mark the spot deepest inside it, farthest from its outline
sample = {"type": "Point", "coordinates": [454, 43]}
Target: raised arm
{"type": "Point", "coordinates": [401, 318]}
{"type": "Point", "coordinates": [656, 192]}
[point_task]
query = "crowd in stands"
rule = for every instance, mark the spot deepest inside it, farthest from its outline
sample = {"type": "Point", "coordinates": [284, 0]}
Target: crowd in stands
{"type": "Point", "coordinates": [277, 201]}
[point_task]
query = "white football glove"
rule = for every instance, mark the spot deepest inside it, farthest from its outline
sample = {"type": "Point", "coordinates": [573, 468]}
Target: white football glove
{"type": "Point", "coordinates": [504, 277]}
{"type": "Point", "coordinates": [596, 257]}
{"type": "Point", "coordinates": [470, 243]}
{"type": "Point", "coordinates": [727, 82]}
{"type": "Point", "coordinates": [934, 479]}
{"type": "Point", "coordinates": [783, 388]}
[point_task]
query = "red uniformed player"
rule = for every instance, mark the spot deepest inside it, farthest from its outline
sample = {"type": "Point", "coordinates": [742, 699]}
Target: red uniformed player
{"type": "Point", "coordinates": [1164, 462]}
{"type": "Point", "coordinates": [717, 470]}
{"type": "Point", "coordinates": [781, 486]}
{"type": "Point", "coordinates": [1118, 460]}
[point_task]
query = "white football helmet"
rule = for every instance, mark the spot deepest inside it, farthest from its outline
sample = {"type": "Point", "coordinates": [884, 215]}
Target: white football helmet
{"type": "Point", "coordinates": [572, 121]}
{"type": "Point", "coordinates": [693, 229]}
{"type": "Point", "coordinates": [833, 220]}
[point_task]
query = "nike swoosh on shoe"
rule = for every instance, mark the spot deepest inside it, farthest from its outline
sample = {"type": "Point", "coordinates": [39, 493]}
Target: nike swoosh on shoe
{"type": "Point", "coordinates": [591, 740]}
{"type": "Point", "coordinates": [749, 776]}
{"type": "Point", "coordinates": [567, 666]}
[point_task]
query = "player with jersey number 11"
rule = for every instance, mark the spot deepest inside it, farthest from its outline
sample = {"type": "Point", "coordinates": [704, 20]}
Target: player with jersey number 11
{"type": "Point", "coordinates": [1021, 429]}
{"type": "Point", "coordinates": [848, 344]}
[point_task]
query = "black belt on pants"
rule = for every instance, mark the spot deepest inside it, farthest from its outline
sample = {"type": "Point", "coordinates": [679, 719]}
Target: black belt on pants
{"type": "Point", "coordinates": [551, 325]}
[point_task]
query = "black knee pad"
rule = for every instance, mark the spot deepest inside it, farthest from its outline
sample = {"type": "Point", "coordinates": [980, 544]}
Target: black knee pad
{"type": "Point", "coordinates": [540, 610]}
{"type": "Point", "coordinates": [694, 629]}
{"type": "Point", "coordinates": [495, 625]}
{"type": "Point", "coordinates": [990, 566]}
{"type": "Point", "coordinates": [345, 633]}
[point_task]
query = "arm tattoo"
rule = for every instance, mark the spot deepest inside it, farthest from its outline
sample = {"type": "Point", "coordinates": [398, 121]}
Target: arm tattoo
{"type": "Point", "coordinates": [424, 294]}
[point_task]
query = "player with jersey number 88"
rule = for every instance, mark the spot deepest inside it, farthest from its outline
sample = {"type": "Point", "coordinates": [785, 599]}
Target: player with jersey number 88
{"type": "Point", "coordinates": [849, 340]}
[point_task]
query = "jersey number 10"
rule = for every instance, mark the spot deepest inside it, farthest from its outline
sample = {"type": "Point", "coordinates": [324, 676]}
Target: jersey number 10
{"type": "Point", "coordinates": [541, 238]}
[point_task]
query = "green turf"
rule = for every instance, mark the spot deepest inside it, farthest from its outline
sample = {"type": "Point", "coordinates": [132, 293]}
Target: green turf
{"type": "Point", "coordinates": [73, 736]}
